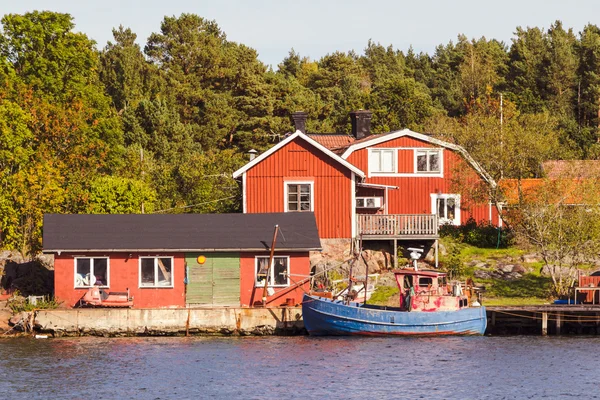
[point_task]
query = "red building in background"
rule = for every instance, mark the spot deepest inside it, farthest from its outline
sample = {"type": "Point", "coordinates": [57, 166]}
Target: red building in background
{"type": "Point", "coordinates": [398, 186]}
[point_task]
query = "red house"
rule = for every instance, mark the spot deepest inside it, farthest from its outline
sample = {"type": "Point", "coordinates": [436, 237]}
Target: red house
{"type": "Point", "coordinates": [183, 260]}
{"type": "Point", "coordinates": [393, 186]}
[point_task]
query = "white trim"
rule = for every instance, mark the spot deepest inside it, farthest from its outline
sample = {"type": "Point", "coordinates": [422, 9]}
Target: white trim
{"type": "Point", "coordinates": [440, 173]}
{"type": "Point", "coordinates": [261, 284]}
{"type": "Point", "coordinates": [91, 258]}
{"type": "Point", "coordinates": [287, 140]}
{"type": "Point", "coordinates": [456, 197]}
{"type": "Point", "coordinates": [155, 286]}
{"type": "Point", "coordinates": [376, 186]}
{"type": "Point", "coordinates": [385, 200]}
{"type": "Point", "coordinates": [244, 200]}
{"type": "Point", "coordinates": [353, 205]}
{"type": "Point", "coordinates": [302, 182]}
{"type": "Point", "coordinates": [425, 138]}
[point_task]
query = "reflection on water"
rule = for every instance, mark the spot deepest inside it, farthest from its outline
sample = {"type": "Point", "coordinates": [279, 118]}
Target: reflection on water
{"type": "Point", "coordinates": [300, 367]}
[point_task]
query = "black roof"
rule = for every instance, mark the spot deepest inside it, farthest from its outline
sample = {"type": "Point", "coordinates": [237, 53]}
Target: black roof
{"type": "Point", "coordinates": [179, 232]}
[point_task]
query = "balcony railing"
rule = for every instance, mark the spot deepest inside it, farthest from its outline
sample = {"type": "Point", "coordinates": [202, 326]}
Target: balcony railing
{"type": "Point", "coordinates": [398, 225]}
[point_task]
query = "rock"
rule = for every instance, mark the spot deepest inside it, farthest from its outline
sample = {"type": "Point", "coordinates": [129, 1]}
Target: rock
{"type": "Point", "coordinates": [481, 265]}
{"type": "Point", "coordinates": [5, 316]}
{"type": "Point", "coordinates": [19, 319]}
{"type": "Point", "coordinates": [548, 270]}
{"type": "Point", "coordinates": [481, 274]}
{"type": "Point", "coordinates": [531, 258]}
{"type": "Point", "coordinates": [512, 276]}
{"type": "Point", "coordinates": [519, 269]}
{"type": "Point", "coordinates": [506, 268]}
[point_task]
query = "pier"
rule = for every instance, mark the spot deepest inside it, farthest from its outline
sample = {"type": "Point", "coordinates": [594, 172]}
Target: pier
{"type": "Point", "coordinates": [551, 319]}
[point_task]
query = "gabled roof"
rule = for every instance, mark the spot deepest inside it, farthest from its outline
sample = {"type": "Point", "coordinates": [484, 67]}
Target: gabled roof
{"type": "Point", "coordinates": [179, 232]}
{"type": "Point", "coordinates": [332, 140]}
{"type": "Point", "coordinates": [377, 139]}
{"type": "Point", "coordinates": [307, 139]}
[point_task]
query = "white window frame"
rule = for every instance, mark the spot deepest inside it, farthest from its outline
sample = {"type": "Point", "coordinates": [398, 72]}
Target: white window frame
{"type": "Point", "coordinates": [156, 267]}
{"type": "Point", "coordinates": [285, 195]}
{"type": "Point", "coordinates": [91, 258]}
{"type": "Point", "coordinates": [442, 221]}
{"type": "Point", "coordinates": [429, 151]}
{"type": "Point", "coordinates": [379, 150]}
{"type": "Point", "coordinates": [262, 284]}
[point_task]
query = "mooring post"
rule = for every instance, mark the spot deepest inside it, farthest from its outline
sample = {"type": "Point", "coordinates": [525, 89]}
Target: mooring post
{"type": "Point", "coordinates": [544, 324]}
{"type": "Point", "coordinates": [558, 322]}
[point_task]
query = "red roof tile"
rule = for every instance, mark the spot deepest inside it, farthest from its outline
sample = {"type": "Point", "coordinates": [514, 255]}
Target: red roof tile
{"type": "Point", "coordinates": [333, 140]}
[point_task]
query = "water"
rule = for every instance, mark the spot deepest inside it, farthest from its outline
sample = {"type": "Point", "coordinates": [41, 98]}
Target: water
{"type": "Point", "coordinates": [301, 368]}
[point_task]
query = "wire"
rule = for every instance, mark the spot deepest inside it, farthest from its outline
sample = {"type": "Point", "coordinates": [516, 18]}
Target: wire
{"type": "Point", "coordinates": [193, 205]}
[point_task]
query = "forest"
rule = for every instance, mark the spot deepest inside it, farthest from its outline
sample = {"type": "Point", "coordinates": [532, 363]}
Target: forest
{"type": "Point", "coordinates": [125, 128]}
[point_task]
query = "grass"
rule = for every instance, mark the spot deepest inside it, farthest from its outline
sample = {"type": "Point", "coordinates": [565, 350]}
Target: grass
{"type": "Point", "coordinates": [382, 294]}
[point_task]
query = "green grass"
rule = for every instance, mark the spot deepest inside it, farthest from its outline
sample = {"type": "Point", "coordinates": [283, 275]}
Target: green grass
{"type": "Point", "coordinates": [513, 301]}
{"type": "Point", "coordinates": [382, 294]}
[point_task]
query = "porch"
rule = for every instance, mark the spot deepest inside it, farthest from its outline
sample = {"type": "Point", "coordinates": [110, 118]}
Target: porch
{"type": "Point", "coordinates": [397, 226]}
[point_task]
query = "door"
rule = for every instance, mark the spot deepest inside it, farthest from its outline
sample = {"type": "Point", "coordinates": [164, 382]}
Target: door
{"type": "Point", "coordinates": [215, 282]}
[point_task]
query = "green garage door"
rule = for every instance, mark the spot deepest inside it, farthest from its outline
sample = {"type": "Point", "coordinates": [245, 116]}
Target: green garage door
{"type": "Point", "coordinates": [216, 282]}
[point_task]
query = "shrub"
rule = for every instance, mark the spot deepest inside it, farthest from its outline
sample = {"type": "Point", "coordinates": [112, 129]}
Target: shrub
{"type": "Point", "coordinates": [483, 235]}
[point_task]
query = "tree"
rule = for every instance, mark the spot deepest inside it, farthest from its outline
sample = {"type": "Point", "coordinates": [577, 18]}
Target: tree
{"type": "Point", "coordinates": [526, 76]}
{"type": "Point", "coordinates": [561, 219]}
{"type": "Point", "coordinates": [124, 71]}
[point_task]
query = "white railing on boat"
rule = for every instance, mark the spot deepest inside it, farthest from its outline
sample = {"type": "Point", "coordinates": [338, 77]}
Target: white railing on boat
{"type": "Point", "coordinates": [397, 224]}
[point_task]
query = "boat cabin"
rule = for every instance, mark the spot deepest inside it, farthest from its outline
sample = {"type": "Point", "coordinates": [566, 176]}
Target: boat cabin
{"type": "Point", "coordinates": [428, 291]}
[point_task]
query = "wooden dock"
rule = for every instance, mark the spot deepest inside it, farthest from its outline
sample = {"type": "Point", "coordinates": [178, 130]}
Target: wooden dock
{"type": "Point", "coordinates": [553, 319]}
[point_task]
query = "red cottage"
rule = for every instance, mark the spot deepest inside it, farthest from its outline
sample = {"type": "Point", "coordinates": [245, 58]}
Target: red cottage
{"type": "Point", "coordinates": [393, 186]}
{"type": "Point", "coordinates": [183, 260]}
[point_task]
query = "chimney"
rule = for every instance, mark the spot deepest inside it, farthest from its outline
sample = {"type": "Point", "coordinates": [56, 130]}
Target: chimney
{"type": "Point", "coordinates": [361, 123]}
{"type": "Point", "coordinates": [299, 118]}
{"type": "Point", "coordinates": [252, 154]}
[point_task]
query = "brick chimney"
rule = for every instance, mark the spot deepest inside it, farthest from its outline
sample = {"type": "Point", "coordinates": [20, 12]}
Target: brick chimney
{"type": "Point", "coordinates": [299, 118]}
{"type": "Point", "coordinates": [361, 123]}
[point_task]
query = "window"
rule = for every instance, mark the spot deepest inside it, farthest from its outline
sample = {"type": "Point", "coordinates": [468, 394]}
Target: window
{"type": "Point", "coordinates": [299, 196]}
{"type": "Point", "coordinates": [424, 281]}
{"type": "Point", "coordinates": [156, 272]}
{"type": "Point", "coordinates": [91, 271]}
{"type": "Point", "coordinates": [428, 161]}
{"type": "Point", "coordinates": [278, 273]}
{"type": "Point", "coordinates": [382, 161]}
{"type": "Point", "coordinates": [447, 208]}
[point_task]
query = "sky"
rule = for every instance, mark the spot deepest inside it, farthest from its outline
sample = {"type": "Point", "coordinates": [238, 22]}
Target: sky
{"type": "Point", "coordinates": [314, 28]}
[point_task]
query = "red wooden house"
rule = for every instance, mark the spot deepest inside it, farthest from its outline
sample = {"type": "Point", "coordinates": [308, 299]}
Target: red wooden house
{"type": "Point", "coordinates": [393, 186]}
{"type": "Point", "coordinates": [183, 260]}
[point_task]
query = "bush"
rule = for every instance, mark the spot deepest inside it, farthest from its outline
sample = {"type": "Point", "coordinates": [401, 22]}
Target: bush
{"type": "Point", "coordinates": [18, 303]}
{"type": "Point", "coordinates": [484, 235]}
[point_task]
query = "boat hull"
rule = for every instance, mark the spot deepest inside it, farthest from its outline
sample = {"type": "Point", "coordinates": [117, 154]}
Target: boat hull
{"type": "Point", "coordinates": [326, 317]}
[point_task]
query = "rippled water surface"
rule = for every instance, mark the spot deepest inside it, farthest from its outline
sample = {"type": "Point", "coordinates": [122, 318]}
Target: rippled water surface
{"type": "Point", "coordinates": [300, 367]}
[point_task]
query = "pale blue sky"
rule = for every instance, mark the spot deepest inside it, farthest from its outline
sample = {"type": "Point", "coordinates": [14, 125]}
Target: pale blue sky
{"type": "Point", "coordinates": [317, 27]}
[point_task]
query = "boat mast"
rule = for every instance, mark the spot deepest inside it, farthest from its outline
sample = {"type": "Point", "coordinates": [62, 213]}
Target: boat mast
{"type": "Point", "coordinates": [270, 266]}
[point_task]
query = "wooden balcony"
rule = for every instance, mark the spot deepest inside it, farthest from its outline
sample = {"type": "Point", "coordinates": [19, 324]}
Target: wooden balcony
{"type": "Point", "coordinates": [397, 226]}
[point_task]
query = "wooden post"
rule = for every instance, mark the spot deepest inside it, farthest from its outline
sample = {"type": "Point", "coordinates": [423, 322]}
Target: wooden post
{"type": "Point", "coordinates": [437, 250]}
{"type": "Point", "coordinates": [493, 318]}
{"type": "Point", "coordinates": [558, 322]}
{"type": "Point", "coordinates": [395, 254]}
{"type": "Point", "coordinates": [544, 324]}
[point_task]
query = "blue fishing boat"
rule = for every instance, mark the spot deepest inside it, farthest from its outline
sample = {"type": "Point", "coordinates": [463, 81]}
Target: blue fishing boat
{"type": "Point", "coordinates": [428, 307]}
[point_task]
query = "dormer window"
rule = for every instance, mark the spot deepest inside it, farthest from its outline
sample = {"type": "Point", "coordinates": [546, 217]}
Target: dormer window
{"type": "Point", "coordinates": [382, 161]}
{"type": "Point", "coordinates": [428, 161]}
